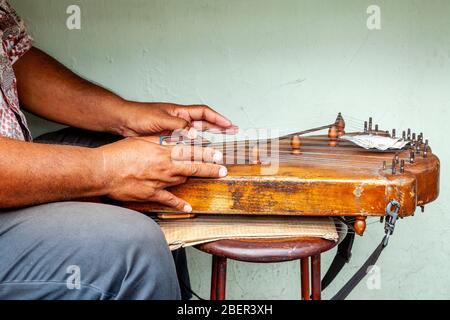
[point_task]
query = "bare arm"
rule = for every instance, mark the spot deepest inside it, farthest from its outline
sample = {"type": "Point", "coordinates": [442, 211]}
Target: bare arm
{"type": "Point", "coordinates": [134, 169]}
{"type": "Point", "coordinates": [51, 91]}
{"type": "Point", "coordinates": [33, 173]}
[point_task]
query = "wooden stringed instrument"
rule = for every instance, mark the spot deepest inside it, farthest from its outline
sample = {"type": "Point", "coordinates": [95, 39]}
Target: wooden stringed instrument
{"type": "Point", "coordinates": [315, 175]}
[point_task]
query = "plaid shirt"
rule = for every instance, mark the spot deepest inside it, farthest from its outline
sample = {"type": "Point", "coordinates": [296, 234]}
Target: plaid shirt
{"type": "Point", "coordinates": [15, 43]}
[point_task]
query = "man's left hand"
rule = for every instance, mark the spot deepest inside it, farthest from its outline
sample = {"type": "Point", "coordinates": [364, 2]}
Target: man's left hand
{"type": "Point", "coordinates": [145, 119]}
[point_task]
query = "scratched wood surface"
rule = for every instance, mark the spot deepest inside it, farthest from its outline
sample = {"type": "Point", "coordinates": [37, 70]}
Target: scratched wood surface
{"type": "Point", "coordinates": [340, 180]}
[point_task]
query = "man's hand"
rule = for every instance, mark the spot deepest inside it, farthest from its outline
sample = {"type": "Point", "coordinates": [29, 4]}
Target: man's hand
{"type": "Point", "coordinates": [144, 119]}
{"type": "Point", "coordinates": [136, 169]}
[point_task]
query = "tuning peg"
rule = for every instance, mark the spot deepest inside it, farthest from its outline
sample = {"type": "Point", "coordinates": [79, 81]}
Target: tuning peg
{"type": "Point", "coordinates": [412, 157]}
{"type": "Point", "coordinates": [295, 144]}
{"type": "Point", "coordinates": [420, 137]}
{"type": "Point", "coordinates": [402, 166]}
{"type": "Point", "coordinates": [425, 149]}
{"type": "Point", "coordinates": [393, 133]}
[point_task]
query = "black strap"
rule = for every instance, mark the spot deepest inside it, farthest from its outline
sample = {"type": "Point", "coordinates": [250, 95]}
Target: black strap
{"type": "Point", "coordinates": [360, 274]}
{"type": "Point", "coordinates": [343, 256]}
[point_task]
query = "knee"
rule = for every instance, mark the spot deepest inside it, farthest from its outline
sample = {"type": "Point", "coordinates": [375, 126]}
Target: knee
{"type": "Point", "coordinates": [123, 251]}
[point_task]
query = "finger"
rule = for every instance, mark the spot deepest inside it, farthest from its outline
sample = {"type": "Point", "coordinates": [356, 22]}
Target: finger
{"type": "Point", "coordinates": [210, 127]}
{"type": "Point", "coordinates": [179, 135]}
{"type": "Point", "coordinates": [172, 123]}
{"type": "Point", "coordinates": [192, 153]}
{"type": "Point", "coordinates": [202, 112]}
{"type": "Point", "coordinates": [166, 198]}
{"type": "Point", "coordinates": [203, 170]}
{"type": "Point", "coordinates": [166, 182]}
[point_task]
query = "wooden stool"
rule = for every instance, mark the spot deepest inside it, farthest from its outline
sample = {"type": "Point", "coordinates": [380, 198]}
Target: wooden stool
{"type": "Point", "coordinates": [265, 251]}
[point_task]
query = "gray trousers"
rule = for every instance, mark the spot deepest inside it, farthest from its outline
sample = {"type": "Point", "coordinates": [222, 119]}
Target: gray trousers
{"type": "Point", "coordinates": [74, 250]}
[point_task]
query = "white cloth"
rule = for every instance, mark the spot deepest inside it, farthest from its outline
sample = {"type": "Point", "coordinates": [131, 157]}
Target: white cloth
{"type": "Point", "coordinates": [370, 141]}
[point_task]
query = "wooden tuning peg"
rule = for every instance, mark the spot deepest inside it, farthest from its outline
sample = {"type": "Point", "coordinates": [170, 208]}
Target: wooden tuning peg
{"type": "Point", "coordinates": [333, 135]}
{"type": "Point", "coordinates": [340, 125]}
{"type": "Point", "coordinates": [295, 144]}
{"type": "Point", "coordinates": [360, 225]}
{"type": "Point", "coordinates": [255, 155]}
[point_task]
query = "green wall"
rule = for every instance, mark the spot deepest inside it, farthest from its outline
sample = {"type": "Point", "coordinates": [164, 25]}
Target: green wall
{"type": "Point", "coordinates": [289, 64]}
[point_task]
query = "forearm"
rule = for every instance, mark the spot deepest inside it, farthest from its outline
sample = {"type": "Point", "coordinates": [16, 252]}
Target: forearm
{"type": "Point", "coordinates": [36, 173]}
{"type": "Point", "coordinates": [50, 90]}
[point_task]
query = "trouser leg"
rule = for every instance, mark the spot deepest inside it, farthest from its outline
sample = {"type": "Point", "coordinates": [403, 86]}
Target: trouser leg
{"type": "Point", "coordinates": [73, 250]}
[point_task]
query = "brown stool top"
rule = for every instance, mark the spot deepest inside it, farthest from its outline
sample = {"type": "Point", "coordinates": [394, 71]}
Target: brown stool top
{"type": "Point", "coordinates": [267, 250]}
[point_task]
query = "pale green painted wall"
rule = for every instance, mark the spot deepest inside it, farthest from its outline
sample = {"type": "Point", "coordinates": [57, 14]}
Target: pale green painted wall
{"type": "Point", "coordinates": [291, 63]}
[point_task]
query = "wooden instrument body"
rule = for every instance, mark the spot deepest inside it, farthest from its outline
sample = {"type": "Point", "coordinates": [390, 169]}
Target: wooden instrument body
{"type": "Point", "coordinates": [341, 180]}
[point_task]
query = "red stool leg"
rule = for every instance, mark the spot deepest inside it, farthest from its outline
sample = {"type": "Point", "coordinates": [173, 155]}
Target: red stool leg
{"type": "Point", "coordinates": [315, 277]}
{"type": "Point", "coordinates": [304, 275]}
{"type": "Point", "coordinates": [214, 271]}
{"type": "Point", "coordinates": [221, 277]}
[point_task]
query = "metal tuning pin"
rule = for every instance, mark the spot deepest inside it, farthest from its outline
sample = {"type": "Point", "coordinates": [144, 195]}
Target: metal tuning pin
{"type": "Point", "coordinates": [418, 145]}
{"type": "Point", "coordinates": [408, 135]}
{"type": "Point", "coordinates": [370, 124]}
{"type": "Point", "coordinates": [384, 165]}
{"type": "Point", "coordinates": [393, 133]}
{"type": "Point", "coordinates": [425, 149]}
{"type": "Point", "coordinates": [394, 166]}
{"type": "Point", "coordinates": [295, 144]}
{"type": "Point", "coordinates": [404, 135]}
{"type": "Point", "coordinates": [402, 166]}
{"type": "Point", "coordinates": [412, 157]}
{"type": "Point", "coordinates": [365, 127]}
{"type": "Point", "coordinates": [376, 128]}
{"type": "Point", "coordinates": [414, 136]}
{"type": "Point", "coordinates": [333, 135]}
{"type": "Point", "coordinates": [397, 159]}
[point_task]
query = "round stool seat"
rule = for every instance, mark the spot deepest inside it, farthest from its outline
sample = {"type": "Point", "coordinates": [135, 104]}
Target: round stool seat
{"type": "Point", "coordinates": [267, 250]}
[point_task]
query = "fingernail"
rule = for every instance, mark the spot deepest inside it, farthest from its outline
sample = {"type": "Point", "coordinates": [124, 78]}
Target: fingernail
{"type": "Point", "coordinates": [187, 208]}
{"type": "Point", "coordinates": [192, 133]}
{"type": "Point", "coordinates": [223, 172]}
{"type": "Point", "coordinates": [218, 156]}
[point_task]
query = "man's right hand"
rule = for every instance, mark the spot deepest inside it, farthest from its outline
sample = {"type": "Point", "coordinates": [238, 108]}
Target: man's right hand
{"type": "Point", "coordinates": [137, 169]}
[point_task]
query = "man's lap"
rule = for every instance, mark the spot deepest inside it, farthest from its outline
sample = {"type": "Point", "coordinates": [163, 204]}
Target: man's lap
{"type": "Point", "coordinates": [119, 253]}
